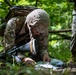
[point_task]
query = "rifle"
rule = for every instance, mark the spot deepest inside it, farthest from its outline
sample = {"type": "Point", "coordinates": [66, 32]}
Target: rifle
{"type": "Point", "coordinates": [21, 49]}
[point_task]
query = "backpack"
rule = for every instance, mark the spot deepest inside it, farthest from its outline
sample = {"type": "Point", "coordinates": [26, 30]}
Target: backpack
{"type": "Point", "coordinates": [13, 12]}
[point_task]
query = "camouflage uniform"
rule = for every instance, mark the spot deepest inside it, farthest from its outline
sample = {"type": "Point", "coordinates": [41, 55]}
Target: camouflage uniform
{"type": "Point", "coordinates": [73, 39]}
{"type": "Point", "coordinates": [38, 19]}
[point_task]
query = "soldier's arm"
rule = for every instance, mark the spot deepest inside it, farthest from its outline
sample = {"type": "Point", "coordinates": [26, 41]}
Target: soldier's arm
{"type": "Point", "coordinates": [9, 34]}
{"type": "Point", "coordinates": [44, 49]}
{"type": "Point", "coordinates": [43, 44]}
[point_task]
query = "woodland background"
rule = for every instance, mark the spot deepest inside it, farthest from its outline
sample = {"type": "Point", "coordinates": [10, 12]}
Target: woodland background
{"type": "Point", "coordinates": [60, 12]}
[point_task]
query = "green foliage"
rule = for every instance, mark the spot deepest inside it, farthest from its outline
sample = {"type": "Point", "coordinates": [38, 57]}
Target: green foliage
{"type": "Point", "coordinates": [60, 50]}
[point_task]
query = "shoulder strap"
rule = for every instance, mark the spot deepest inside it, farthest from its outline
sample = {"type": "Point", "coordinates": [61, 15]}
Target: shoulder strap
{"type": "Point", "coordinates": [21, 26]}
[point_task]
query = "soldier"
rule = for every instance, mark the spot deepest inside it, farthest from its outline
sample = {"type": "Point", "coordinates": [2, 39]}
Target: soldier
{"type": "Point", "coordinates": [73, 40]}
{"type": "Point", "coordinates": [35, 26]}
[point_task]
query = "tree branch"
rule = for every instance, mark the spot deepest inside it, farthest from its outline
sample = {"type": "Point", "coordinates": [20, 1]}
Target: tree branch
{"type": "Point", "coordinates": [36, 3]}
{"type": "Point", "coordinates": [59, 31]}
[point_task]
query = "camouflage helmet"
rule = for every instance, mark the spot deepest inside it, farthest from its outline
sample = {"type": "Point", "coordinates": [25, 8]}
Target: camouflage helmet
{"type": "Point", "coordinates": [37, 15]}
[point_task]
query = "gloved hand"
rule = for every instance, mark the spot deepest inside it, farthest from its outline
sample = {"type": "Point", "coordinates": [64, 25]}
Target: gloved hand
{"type": "Point", "coordinates": [29, 61]}
{"type": "Point", "coordinates": [46, 58]}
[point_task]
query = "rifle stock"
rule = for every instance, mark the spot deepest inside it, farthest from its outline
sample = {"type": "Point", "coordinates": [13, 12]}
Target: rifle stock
{"type": "Point", "coordinates": [21, 49]}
